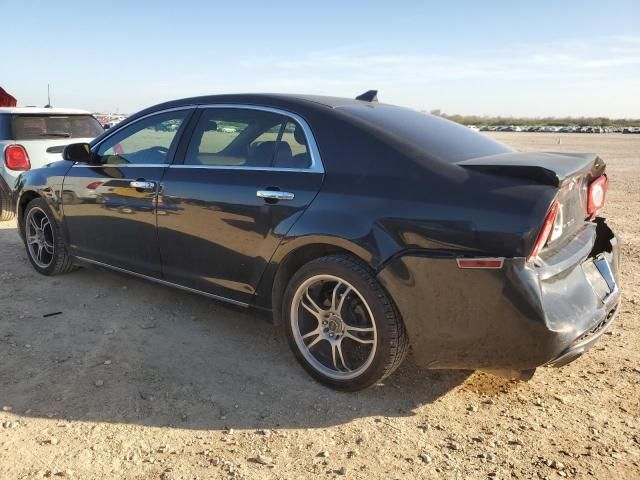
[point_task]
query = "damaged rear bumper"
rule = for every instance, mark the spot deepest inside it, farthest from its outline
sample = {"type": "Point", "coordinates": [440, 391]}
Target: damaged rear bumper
{"type": "Point", "coordinates": [518, 317]}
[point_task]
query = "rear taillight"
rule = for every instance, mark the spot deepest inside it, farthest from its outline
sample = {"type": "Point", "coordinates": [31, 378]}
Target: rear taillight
{"type": "Point", "coordinates": [94, 185]}
{"type": "Point", "coordinates": [597, 194]}
{"type": "Point", "coordinates": [16, 158]}
{"type": "Point", "coordinates": [545, 231]}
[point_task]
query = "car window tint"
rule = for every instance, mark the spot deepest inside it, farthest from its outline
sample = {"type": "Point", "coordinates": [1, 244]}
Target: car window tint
{"type": "Point", "coordinates": [271, 135]}
{"type": "Point", "coordinates": [438, 138]}
{"type": "Point", "coordinates": [294, 137]}
{"type": "Point", "coordinates": [216, 136]}
{"type": "Point", "coordinates": [145, 142]}
{"type": "Point", "coordinates": [39, 127]}
{"type": "Point", "coordinates": [235, 137]}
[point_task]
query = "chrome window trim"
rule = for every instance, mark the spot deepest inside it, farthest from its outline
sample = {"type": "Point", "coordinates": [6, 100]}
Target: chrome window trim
{"type": "Point", "coordinates": [121, 165]}
{"type": "Point", "coordinates": [159, 112]}
{"type": "Point", "coordinates": [240, 167]}
{"type": "Point", "coordinates": [316, 162]}
{"type": "Point", "coordinates": [115, 130]}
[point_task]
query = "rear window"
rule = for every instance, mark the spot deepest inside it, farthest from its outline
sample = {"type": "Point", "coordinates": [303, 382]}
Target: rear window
{"type": "Point", "coordinates": [437, 137]}
{"type": "Point", "coordinates": [34, 127]}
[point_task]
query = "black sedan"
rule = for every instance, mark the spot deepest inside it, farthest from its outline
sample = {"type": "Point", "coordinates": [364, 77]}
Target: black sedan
{"type": "Point", "coordinates": [364, 228]}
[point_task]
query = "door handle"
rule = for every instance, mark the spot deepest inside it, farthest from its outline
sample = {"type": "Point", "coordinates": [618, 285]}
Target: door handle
{"type": "Point", "coordinates": [274, 195]}
{"type": "Point", "coordinates": [142, 185]}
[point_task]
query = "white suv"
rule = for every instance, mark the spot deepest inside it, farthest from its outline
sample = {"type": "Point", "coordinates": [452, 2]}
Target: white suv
{"type": "Point", "coordinates": [33, 137]}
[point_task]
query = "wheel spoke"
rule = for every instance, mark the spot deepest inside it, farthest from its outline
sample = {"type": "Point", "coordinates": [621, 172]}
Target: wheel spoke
{"type": "Point", "coordinates": [358, 329]}
{"type": "Point", "coordinates": [338, 347]}
{"type": "Point", "coordinates": [315, 331]}
{"type": "Point", "coordinates": [342, 299]}
{"type": "Point", "coordinates": [48, 247]}
{"type": "Point", "coordinates": [358, 339]}
{"type": "Point", "coordinates": [39, 254]}
{"type": "Point", "coordinates": [334, 296]}
{"type": "Point", "coordinates": [31, 239]}
{"type": "Point", "coordinates": [311, 306]}
{"type": "Point", "coordinates": [334, 347]}
{"type": "Point", "coordinates": [43, 223]}
{"type": "Point", "coordinates": [33, 223]}
{"type": "Point", "coordinates": [315, 341]}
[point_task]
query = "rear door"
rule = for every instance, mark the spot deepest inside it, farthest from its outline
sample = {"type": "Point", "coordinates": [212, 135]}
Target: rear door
{"type": "Point", "coordinates": [110, 206]}
{"type": "Point", "coordinates": [234, 191]}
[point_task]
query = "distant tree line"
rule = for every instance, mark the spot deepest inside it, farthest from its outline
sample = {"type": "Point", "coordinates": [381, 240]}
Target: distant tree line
{"type": "Point", "coordinates": [546, 121]}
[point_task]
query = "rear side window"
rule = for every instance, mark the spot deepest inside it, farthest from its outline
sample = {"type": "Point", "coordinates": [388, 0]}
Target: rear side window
{"type": "Point", "coordinates": [239, 137]}
{"type": "Point", "coordinates": [435, 136]}
{"type": "Point", "coordinates": [38, 127]}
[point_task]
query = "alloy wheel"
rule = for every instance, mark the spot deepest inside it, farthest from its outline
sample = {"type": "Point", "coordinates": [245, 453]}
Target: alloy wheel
{"type": "Point", "coordinates": [39, 235]}
{"type": "Point", "coordinates": [333, 327]}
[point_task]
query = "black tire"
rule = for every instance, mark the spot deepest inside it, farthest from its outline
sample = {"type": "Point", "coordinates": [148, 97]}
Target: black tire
{"type": "Point", "coordinates": [60, 261]}
{"type": "Point", "coordinates": [391, 341]}
{"type": "Point", "coordinates": [6, 212]}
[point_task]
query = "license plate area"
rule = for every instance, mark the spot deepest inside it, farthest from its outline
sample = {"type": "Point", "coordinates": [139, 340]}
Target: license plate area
{"type": "Point", "coordinates": [600, 276]}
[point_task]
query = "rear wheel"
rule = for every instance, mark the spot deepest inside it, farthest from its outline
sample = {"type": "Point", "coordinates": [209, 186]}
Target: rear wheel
{"type": "Point", "coordinates": [43, 240]}
{"type": "Point", "coordinates": [341, 325]}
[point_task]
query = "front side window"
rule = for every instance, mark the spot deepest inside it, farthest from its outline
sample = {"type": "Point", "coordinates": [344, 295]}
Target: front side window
{"type": "Point", "coordinates": [147, 141]}
{"type": "Point", "coordinates": [247, 138]}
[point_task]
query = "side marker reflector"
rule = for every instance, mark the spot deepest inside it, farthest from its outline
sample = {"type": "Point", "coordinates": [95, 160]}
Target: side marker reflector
{"type": "Point", "coordinates": [480, 262]}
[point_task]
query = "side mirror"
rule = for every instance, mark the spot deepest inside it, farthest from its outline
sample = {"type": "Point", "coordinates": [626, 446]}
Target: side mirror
{"type": "Point", "coordinates": [77, 152]}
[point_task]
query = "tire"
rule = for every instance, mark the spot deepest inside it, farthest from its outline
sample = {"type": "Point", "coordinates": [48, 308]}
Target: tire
{"type": "Point", "coordinates": [344, 301]}
{"type": "Point", "coordinates": [54, 258]}
{"type": "Point", "coordinates": [6, 212]}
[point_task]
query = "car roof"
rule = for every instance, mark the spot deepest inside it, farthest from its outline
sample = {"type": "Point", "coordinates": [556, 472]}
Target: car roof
{"type": "Point", "coordinates": [264, 99]}
{"type": "Point", "coordinates": [43, 111]}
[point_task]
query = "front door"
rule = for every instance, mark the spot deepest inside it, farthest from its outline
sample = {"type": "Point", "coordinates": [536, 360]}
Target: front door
{"type": "Point", "coordinates": [231, 195]}
{"type": "Point", "coordinates": [110, 205]}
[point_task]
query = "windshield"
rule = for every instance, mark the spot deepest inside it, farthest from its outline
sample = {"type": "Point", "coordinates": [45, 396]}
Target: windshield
{"type": "Point", "coordinates": [34, 127]}
{"type": "Point", "coordinates": [437, 137]}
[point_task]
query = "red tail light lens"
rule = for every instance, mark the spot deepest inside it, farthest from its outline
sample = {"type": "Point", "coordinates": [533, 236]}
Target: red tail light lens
{"type": "Point", "coordinates": [545, 231]}
{"type": "Point", "coordinates": [597, 194]}
{"type": "Point", "coordinates": [94, 185]}
{"type": "Point", "coordinates": [480, 262]}
{"type": "Point", "coordinates": [16, 158]}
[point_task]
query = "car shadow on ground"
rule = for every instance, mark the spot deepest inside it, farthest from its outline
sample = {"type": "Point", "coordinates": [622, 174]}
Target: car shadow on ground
{"type": "Point", "coordinates": [123, 350]}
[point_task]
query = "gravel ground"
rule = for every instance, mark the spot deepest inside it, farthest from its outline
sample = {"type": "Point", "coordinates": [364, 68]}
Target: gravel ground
{"type": "Point", "coordinates": [138, 381]}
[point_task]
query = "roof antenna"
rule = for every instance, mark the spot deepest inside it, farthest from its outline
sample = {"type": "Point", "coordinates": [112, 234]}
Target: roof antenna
{"type": "Point", "coordinates": [368, 96]}
{"type": "Point", "coordinates": [48, 105]}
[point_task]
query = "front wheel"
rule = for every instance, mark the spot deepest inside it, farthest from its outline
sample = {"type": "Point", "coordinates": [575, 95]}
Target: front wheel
{"type": "Point", "coordinates": [43, 240]}
{"type": "Point", "coordinates": [341, 325]}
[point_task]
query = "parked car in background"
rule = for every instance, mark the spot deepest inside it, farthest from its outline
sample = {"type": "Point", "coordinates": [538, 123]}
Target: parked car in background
{"type": "Point", "coordinates": [362, 227]}
{"type": "Point", "coordinates": [33, 137]}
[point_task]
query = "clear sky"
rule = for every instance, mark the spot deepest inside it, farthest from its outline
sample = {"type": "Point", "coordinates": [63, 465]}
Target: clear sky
{"type": "Point", "coordinates": [488, 57]}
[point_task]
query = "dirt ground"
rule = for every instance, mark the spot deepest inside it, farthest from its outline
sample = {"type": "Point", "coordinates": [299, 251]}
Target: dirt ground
{"type": "Point", "coordinates": [134, 380]}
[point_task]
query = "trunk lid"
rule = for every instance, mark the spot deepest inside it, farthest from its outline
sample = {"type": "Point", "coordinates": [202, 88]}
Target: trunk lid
{"type": "Point", "coordinates": [570, 173]}
{"type": "Point", "coordinates": [549, 168]}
